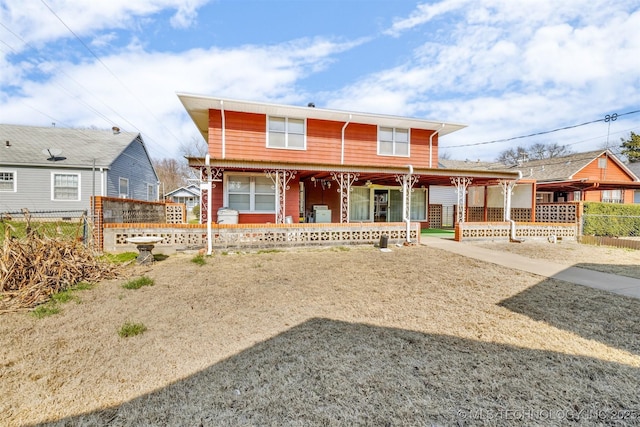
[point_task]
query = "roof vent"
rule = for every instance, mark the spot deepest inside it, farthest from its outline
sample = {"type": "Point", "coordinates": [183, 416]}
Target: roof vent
{"type": "Point", "coordinates": [311, 105]}
{"type": "Point", "coordinates": [116, 130]}
{"type": "Point", "coordinates": [7, 144]}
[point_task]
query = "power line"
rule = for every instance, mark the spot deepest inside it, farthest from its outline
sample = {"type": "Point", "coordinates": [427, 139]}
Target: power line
{"type": "Point", "coordinates": [607, 118]}
{"type": "Point", "coordinates": [168, 131]}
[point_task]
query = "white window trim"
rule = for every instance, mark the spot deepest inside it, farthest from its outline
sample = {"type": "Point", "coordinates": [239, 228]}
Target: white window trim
{"type": "Point", "coordinates": [53, 187]}
{"type": "Point", "coordinates": [15, 181]}
{"type": "Point", "coordinates": [120, 193]}
{"type": "Point", "coordinates": [394, 142]}
{"type": "Point", "coordinates": [252, 193]}
{"type": "Point", "coordinates": [286, 134]}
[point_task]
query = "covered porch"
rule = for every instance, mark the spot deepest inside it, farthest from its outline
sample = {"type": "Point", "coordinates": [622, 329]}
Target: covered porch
{"type": "Point", "coordinates": [292, 193]}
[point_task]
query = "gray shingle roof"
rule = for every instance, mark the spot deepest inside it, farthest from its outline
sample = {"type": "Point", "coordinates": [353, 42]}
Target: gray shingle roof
{"type": "Point", "coordinates": [545, 170]}
{"type": "Point", "coordinates": [79, 147]}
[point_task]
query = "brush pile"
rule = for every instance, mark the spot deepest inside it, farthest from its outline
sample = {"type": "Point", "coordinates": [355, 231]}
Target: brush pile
{"type": "Point", "coordinates": [35, 267]}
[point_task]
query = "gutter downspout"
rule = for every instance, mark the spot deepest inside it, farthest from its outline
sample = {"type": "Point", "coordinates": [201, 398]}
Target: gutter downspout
{"type": "Point", "coordinates": [407, 198]}
{"type": "Point", "coordinates": [431, 144]}
{"type": "Point", "coordinates": [513, 223]}
{"type": "Point", "coordinates": [343, 130]}
{"type": "Point", "coordinates": [224, 130]}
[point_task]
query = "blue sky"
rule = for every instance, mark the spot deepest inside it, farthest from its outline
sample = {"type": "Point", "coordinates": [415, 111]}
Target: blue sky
{"type": "Point", "coordinates": [505, 68]}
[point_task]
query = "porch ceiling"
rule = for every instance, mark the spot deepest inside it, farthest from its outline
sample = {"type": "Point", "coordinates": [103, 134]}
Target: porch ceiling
{"type": "Point", "coordinates": [379, 175]}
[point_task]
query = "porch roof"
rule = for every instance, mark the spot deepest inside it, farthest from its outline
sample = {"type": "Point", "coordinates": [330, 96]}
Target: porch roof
{"type": "Point", "coordinates": [585, 185]}
{"type": "Point", "coordinates": [198, 107]}
{"type": "Point", "coordinates": [382, 175]}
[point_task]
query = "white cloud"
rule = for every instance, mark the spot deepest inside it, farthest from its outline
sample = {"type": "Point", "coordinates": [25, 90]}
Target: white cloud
{"type": "Point", "coordinates": [511, 68]}
{"type": "Point", "coordinates": [35, 21]}
{"type": "Point", "coordinates": [138, 90]}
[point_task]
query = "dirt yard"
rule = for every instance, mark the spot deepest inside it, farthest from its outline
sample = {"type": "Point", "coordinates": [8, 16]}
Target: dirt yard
{"type": "Point", "coordinates": [342, 336]}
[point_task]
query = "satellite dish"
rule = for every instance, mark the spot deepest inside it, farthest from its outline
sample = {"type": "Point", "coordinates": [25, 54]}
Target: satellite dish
{"type": "Point", "coordinates": [53, 154]}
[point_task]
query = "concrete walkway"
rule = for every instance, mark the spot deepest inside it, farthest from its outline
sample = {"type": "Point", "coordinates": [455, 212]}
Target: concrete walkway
{"type": "Point", "coordinates": [609, 282]}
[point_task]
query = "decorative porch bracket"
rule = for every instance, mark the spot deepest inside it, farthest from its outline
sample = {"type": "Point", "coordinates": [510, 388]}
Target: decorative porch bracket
{"type": "Point", "coordinates": [507, 191]}
{"type": "Point", "coordinates": [281, 179]}
{"type": "Point", "coordinates": [461, 183]}
{"type": "Point", "coordinates": [407, 182]}
{"type": "Point", "coordinates": [344, 180]}
{"type": "Point", "coordinates": [208, 174]}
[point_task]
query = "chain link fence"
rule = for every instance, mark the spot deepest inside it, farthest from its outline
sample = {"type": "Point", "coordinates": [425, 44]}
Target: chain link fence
{"type": "Point", "coordinates": [611, 230]}
{"type": "Point", "coordinates": [66, 224]}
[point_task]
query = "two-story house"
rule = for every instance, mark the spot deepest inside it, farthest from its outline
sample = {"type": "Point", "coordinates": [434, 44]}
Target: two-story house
{"type": "Point", "coordinates": [60, 169]}
{"type": "Point", "coordinates": [280, 163]}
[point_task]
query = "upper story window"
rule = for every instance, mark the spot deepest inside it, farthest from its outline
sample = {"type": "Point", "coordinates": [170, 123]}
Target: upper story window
{"type": "Point", "coordinates": [123, 187]}
{"type": "Point", "coordinates": [284, 132]}
{"type": "Point", "coordinates": [8, 181]}
{"type": "Point", "coordinates": [66, 186]}
{"type": "Point", "coordinates": [250, 193]}
{"type": "Point", "coordinates": [393, 141]}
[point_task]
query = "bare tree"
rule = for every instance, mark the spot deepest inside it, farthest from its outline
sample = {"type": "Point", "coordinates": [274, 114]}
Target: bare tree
{"type": "Point", "coordinates": [513, 156]}
{"type": "Point", "coordinates": [538, 151]}
{"type": "Point", "coordinates": [175, 172]}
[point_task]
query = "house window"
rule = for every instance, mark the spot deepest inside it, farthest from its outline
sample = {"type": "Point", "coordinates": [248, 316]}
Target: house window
{"type": "Point", "coordinates": [150, 192]}
{"type": "Point", "coordinates": [359, 204]}
{"type": "Point", "coordinates": [123, 187]}
{"type": "Point", "coordinates": [393, 142]}
{"type": "Point", "coordinates": [602, 163]}
{"type": "Point", "coordinates": [8, 181]}
{"type": "Point", "coordinates": [66, 186]}
{"type": "Point", "coordinates": [249, 193]}
{"type": "Point", "coordinates": [419, 204]}
{"type": "Point", "coordinates": [612, 196]}
{"type": "Point", "coordinates": [284, 132]}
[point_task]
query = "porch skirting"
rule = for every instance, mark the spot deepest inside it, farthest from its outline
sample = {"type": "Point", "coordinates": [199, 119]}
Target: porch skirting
{"type": "Point", "coordinates": [178, 237]}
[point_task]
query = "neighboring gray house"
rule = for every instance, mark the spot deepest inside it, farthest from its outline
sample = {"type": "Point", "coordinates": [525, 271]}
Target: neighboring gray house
{"type": "Point", "coordinates": [58, 169]}
{"type": "Point", "coordinates": [189, 195]}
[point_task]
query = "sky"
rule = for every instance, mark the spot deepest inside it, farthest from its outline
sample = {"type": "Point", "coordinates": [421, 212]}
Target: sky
{"type": "Point", "coordinates": [516, 73]}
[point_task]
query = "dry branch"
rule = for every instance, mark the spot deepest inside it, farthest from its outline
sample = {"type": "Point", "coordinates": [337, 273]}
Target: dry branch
{"type": "Point", "coordinates": [35, 267]}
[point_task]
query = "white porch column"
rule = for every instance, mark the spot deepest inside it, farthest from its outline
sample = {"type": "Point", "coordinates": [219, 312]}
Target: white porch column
{"type": "Point", "coordinates": [281, 179]}
{"type": "Point", "coordinates": [344, 180]}
{"type": "Point", "coordinates": [407, 181]}
{"type": "Point", "coordinates": [461, 183]}
{"type": "Point", "coordinates": [507, 191]}
{"type": "Point", "coordinates": [207, 175]}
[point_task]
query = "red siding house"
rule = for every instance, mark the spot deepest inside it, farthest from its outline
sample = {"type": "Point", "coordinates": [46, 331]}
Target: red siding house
{"type": "Point", "coordinates": [278, 163]}
{"type": "Point", "coordinates": [594, 176]}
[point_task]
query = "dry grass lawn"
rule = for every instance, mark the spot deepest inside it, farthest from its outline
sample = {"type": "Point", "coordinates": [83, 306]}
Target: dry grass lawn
{"type": "Point", "coordinates": [342, 336]}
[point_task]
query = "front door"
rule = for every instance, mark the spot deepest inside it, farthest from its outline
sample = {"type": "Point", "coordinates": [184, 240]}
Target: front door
{"type": "Point", "coordinates": [380, 205]}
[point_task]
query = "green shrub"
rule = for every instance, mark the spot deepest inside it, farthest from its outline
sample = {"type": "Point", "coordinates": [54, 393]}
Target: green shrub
{"type": "Point", "coordinates": [138, 283]}
{"type": "Point", "coordinates": [611, 219]}
{"type": "Point", "coordinates": [199, 259]}
{"type": "Point", "coordinates": [130, 329]}
{"type": "Point", "coordinates": [121, 258]}
{"type": "Point", "coordinates": [44, 310]}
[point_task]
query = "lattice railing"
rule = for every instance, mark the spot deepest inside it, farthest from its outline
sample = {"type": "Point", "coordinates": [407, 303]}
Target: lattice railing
{"type": "Point", "coordinates": [435, 216]}
{"type": "Point", "coordinates": [557, 212]}
{"type": "Point", "coordinates": [475, 213]}
{"type": "Point", "coordinates": [247, 236]}
{"type": "Point", "coordinates": [528, 230]}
